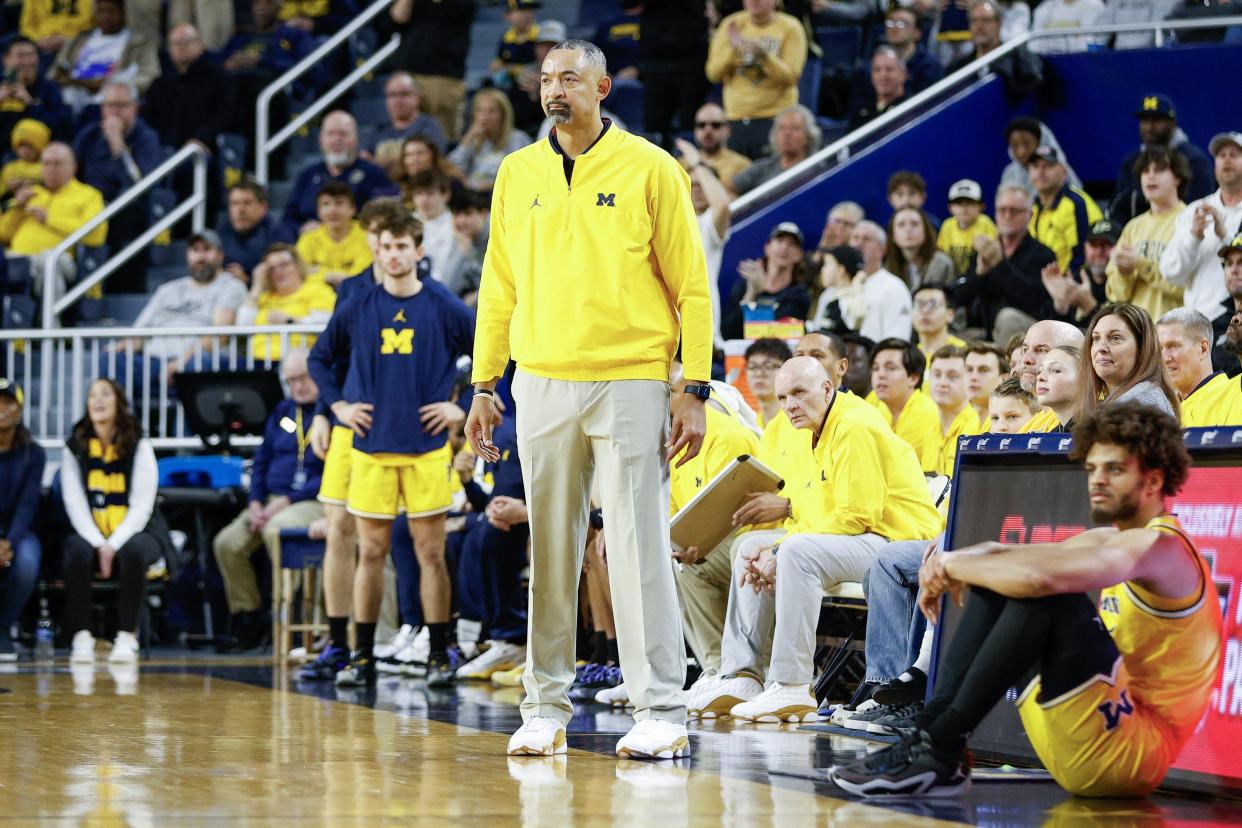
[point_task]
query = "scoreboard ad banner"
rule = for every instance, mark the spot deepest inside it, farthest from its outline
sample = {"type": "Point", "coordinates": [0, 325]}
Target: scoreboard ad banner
{"type": "Point", "coordinates": [1024, 490]}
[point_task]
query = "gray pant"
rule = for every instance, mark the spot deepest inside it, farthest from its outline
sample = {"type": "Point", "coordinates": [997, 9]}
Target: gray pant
{"type": "Point", "coordinates": [616, 431]}
{"type": "Point", "coordinates": [704, 591]}
{"type": "Point", "coordinates": [806, 566]}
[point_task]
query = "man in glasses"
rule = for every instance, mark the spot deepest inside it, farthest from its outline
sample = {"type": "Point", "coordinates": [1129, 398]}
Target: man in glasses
{"type": "Point", "coordinates": [711, 134]}
{"type": "Point", "coordinates": [902, 32]}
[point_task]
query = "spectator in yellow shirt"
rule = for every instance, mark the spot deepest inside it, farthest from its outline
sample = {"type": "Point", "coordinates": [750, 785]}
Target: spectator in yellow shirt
{"type": "Point", "coordinates": [896, 392]}
{"type": "Point", "coordinates": [281, 294]}
{"type": "Point", "coordinates": [959, 235]}
{"type": "Point", "coordinates": [29, 139]}
{"type": "Point", "coordinates": [44, 215]}
{"type": "Point", "coordinates": [337, 248]}
{"type": "Point", "coordinates": [958, 418]}
{"type": "Point", "coordinates": [986, 365]}
{"type": "Point", "coordinates": [1186, 351]}
{"type": "Point", "coordinates": [50, 23]}
{"type": "Point", "coordinates": [933, 311]}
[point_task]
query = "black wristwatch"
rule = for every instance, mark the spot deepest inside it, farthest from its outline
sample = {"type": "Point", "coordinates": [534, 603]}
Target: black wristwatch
{"type": "Point", "coordinates": [703, 392]}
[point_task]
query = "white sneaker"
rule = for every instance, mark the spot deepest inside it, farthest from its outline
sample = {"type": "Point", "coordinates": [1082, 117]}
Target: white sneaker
{"type": "Point", "coordinates": [540, 736]}
{"type": "Point", "coordinates": [412, 659]}
{"type": "Point", "coordinates": [83, 650]}
{"type": "Point", "coordinates": [720, 694]}
{"type": "Point", "coordinates": [396, 644]}
{"type": "Point", "coordinates": [614, 696]}
{"type": "Point", "coordinates": [654, 739]}
{"type": "Point", "coordinates": [498, 657]}
{"type": "Point", "coordinates": [841, 717]}
{"type": "Point", "coordinates": [124, 649]}
{"type": "Point", "coordinates": [780, 703]}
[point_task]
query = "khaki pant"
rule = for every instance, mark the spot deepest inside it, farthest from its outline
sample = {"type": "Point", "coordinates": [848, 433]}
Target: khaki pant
{"type": "Point", "coordinates": [444, 99]}
{"type": "Point", "coordinates": [236, 542]}
{"type": "Point", "coordinates": [704, 591]}
{"type": "Point", "coordinates": [615, 431]}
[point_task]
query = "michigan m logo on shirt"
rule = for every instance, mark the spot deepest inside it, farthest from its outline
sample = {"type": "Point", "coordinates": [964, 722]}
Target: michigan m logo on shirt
{"type": "Point", "coordinates": [1113, 712]}
{"type": "Point", "coordinates": [396, 342]}
{"type": "Point", "coordinates": [606, 200]}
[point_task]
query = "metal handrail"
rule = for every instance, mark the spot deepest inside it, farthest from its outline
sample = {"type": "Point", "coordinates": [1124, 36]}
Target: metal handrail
{"type": "Point", "coordinates": [133, 331]}
{"type": "Point", "coordinates": [263, 144]}
{"type": "Point", "coordinates": [840, 149]}
{"type": "Point", "coordinates": [197, 203]}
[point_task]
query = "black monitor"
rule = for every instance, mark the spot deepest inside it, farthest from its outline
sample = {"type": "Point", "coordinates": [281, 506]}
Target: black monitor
{"type": "Point", "coordinates": [220, 405]}
{"type": "Point", "coordinates": [1024, 489]}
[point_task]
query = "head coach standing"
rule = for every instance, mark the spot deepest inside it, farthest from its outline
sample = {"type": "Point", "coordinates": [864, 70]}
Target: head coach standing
{"type": "Point", "coordinates": [594, 272]}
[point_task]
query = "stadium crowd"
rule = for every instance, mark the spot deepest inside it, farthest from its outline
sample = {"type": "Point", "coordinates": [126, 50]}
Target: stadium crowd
{"type": "Point", "coordinates": [910, 332]}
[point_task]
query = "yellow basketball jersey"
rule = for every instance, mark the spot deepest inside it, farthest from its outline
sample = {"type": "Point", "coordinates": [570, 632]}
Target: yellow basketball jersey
{"type": "Point", "coordinates": [1171, 647]}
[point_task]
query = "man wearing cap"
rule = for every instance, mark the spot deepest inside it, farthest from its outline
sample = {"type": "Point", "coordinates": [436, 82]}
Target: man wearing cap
{"type": "Point", "coordinates": [44, 215]}
{"type": "Point", "coordinates": [1190, 259]}
{"type": "Point", "coordinates": [1062, 214]}
{"type": "Point", "coordinates": [1231, 269]}
{"type": "Point", "coordinates": [208, 295]}
{"type": "Point", "coordinates": [774, 280]}
{"type": "Point", "coordinates": [960, 236]}
{"type": "Point", "coordinates": [1157, 122]}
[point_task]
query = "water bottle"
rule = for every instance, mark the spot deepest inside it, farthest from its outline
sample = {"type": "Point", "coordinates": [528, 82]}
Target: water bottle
{"type": "Point", "coordinates": [44, 634]}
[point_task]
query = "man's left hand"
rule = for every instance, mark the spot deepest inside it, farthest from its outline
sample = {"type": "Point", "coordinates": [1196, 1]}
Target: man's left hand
{"type": "Point", "coordinates": [689, 427]}
{"type": "Point", "coordinates": [275, 505]}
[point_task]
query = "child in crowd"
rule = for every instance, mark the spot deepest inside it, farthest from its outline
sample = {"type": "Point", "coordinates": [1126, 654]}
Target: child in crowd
{"type": "Point", "coordinates": [337, 248]}
{"type": "Point", "coordinates": [1010, 407]}
{"type": "Point", "coordinates": [958, 236]}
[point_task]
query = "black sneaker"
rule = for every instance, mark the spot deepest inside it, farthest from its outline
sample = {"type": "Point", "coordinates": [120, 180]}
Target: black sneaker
{"type": "Point", "coordinates": [911, 767]}
{"type": "Point", "coordinates": [331, 660]}
{"type": "Point", "coordinates": [896, 720]}
{"type": "Point", "coordinates": [898, 692]}
{"type": "Point", "coordinates": [440, 671]}
{"type": "Point", "coordinates": [359, 673]}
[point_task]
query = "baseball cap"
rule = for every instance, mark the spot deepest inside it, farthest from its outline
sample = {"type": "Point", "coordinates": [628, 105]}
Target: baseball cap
{"type": "Point", "coordinates": [1234, 244]}
{"type": "Point", "coordinates": [552, 31]}
{"type": "Point", "coordinates": [11, 389]}
{"type": "Point", "coordinates": [1223, 138]}
{"type": "Point", "coordinates": [1104, 229]}
{"type": "Point", "coordinates": [847, 257]}
{"type": "Point", "coordinates": [1046, 153]}
{"type": "Point", "coordinates": [786, 228]}
{"type": "Point", "coordinates": [1155, 105]}
{"type": "Point", "coordinates": [966, 190]}
{"type": "Point", "coordinates": [211, 237]}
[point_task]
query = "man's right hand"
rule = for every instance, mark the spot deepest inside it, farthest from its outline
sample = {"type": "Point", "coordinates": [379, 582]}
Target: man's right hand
{"type": "Point", "coordinates": [761, 507]}
{"type": "Point", "coordinates": [320, 435]}
{"type": "Point", "coordinates": [356, 416]}
{"type": "Point", "coordinates": [989, 254]}
{"type": "Point", "coordinates": [483, 419]}
{"type": "Point", "coordinates": [255, 516]}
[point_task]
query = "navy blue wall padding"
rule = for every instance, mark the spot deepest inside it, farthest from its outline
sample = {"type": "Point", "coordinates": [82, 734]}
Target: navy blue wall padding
{"type": "Point", "coordinates": [1088, 103]}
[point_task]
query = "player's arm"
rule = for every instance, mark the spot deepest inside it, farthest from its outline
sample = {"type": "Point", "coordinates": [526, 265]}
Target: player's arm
{"type": "Point", "coordinates": [330, 348]}
{"type": "Point", "coordinates": [1093, 560]}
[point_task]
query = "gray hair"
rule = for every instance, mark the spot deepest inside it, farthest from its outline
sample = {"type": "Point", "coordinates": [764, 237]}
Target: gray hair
{"type": "Point", "coordinates": [593, 54]}
{"type": "Point", "coordinates": [813, 134]}
{"type": "Point", "coordinates": [992, 4]}
{"type": "Point", "coordinates": [127, 85]}
{"type": "Point", "coordinates": [852, 209]}
{"type": "Point", "coordinates": [1196, 325]}
{"type": "Point", "coordinates": [1027, 199]}
{"type": "Point", "coordinates": [876, 231]}
{"type": "Point", "coordinates": [885, 49]}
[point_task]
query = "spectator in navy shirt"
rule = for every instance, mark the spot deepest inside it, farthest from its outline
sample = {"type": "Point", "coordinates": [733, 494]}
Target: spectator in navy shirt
{"type": "Point", "coordinates": [249, 230]}
{"type": "Point", "coordinates": [403, 102]}
{"type": "Point", "coordinates": [338, 141]}
{"type": "Point", "coordinates": [284, 482]}
{"type": "Point", "coordinates": [618, 37]}
{"type": "Point", "coordinates": [113, 155]}
{"type": "Point", "coordinates": [24, 94]}
{"type": "Point", "coordinates": [21, 481]}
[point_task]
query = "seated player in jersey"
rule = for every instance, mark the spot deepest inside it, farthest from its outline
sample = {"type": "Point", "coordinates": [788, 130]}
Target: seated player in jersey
{"type": "Point", "coordinates": [869, 489]}
{"type": "Point", "coordinates": [403, 339]}
{"type": "Point", "coordinates": [1108, 696]}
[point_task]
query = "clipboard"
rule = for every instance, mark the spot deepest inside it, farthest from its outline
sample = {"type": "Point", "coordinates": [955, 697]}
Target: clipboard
{"type": "Point", "coordinates": [704, 521]}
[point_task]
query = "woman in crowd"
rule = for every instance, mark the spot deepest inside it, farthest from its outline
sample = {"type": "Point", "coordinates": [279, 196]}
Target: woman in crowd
{"type": "Point", "coordinates": [108, 482]}
{"type": "Point", "coordinates": [283, 293]}
{"type": "Point", "coordinates": [777, 280]}
{"type": "Point", "coordinates": [912, 253]}
{"type": "Point", "coordinates": [489, 139]}
{"type": "Point", "coordinates": [1121, 362]}
{"type": "Point", "coordinates": [1056, 387]}
{"type": "Point", "coordinates": [21, 480]}
{"type": "Point", "coordinates": [419, 154]}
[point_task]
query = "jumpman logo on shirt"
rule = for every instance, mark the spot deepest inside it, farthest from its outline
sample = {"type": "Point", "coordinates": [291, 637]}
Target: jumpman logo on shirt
{"type": "Point", "coordinates": [535, 203]}
{"type": "Point", "coordinates": [400, 317]}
